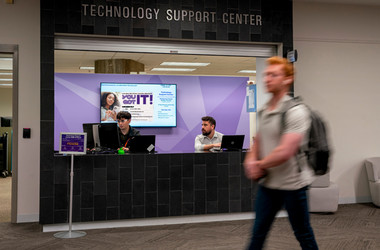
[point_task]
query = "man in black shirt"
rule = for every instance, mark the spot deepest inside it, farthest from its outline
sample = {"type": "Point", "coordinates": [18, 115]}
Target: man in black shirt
{"type": "Point", "coordinates": [126, 132]}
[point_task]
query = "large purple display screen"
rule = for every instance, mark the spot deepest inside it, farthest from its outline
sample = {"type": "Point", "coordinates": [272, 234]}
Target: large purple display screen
{"type": "Point", "coordinates": [151, 105]}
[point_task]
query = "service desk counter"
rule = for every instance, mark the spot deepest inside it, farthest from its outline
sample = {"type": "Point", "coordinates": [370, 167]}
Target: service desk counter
{"type": "Point", "coordinates": [130, 186]}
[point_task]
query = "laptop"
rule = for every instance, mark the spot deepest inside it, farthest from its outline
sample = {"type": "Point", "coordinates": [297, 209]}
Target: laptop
{"type": "Point", "coordinates": [142, 144]}
{"type": "Point", "coordinates": [232, 142]}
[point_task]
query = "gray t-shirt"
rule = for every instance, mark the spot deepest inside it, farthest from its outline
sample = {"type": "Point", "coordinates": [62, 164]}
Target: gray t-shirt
{"type": "Point", "coordinates": [289, 175]}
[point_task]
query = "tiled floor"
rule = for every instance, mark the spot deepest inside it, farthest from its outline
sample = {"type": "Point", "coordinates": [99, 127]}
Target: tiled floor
{"type": "Point", "coordinates": [354, 226]}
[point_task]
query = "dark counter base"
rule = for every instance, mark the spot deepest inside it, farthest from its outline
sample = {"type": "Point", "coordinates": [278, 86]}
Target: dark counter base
{"type": "Point", "coordinates": [114, 187]}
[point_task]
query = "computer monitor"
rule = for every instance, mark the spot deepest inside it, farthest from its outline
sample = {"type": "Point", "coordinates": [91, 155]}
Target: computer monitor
{"type": "Point", "coordinates": [109, 135]}
{"type": "Point", "coordinates": [92, 134]}
{"type": "Point", "coordinates": [6, 122]}
{"type": "Point", "coordinates": [142, 143]}
{"type": "Point", "coordinates": [232, 142]}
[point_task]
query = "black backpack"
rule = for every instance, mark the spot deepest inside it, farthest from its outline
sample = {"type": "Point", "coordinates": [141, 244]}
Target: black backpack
{"type": "Point", "coordinates": [317, 151]}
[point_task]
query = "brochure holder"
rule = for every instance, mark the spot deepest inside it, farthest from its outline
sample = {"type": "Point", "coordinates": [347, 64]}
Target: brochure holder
{"type": "Point", "coordinates": [71, 144]}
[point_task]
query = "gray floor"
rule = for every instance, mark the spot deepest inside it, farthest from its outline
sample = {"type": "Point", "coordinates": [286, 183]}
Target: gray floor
{"type": "Point", "coordinates": [5, 199]}
{"type": "Point", "coordinates": [355, 226]}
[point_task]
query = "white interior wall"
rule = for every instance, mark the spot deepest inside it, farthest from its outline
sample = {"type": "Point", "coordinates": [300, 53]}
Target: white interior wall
{"type": "Point", "coordinates": [20, 25]}
{"type": "Point", "coordinates": [337, 74]}
{"type": "Point", "coordinates": [5, 101]}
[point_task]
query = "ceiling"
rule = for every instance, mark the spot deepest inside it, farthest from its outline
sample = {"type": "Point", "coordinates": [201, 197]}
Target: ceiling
{"type": "Point", "coordinates": [67, 61]}
{"type": "Point", "coordinates": [71, 61]}
{"type": "Point", "coordinates": [6, 65]}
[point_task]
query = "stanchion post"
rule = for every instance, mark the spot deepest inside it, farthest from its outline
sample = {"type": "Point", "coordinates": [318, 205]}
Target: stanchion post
{"type": "Point", "coordinates": [72, 143]}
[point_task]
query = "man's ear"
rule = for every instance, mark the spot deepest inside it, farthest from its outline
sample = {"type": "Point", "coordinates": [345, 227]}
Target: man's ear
{"type": "Point", "coordinates": [288, 80]}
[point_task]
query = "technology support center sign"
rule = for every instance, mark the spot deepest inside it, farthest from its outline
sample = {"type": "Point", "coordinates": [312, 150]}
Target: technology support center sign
{"type": "Point", "coordinates": [171, 15]}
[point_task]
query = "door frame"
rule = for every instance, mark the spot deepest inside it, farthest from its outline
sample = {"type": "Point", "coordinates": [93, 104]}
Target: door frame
{"type": "Point", "coordinates": [13, 49]}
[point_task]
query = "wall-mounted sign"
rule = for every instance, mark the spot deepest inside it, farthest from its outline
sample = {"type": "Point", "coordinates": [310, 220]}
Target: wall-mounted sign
{"type": "Point", "coordinates": [72, 143]}
{"type": "Point", "coordinates": [219, 20]}
{"type": "Point", "coordinates": [252, 18]}
{"type": "Point", "coordinates": [292, 56]}
{"type": "Point", "coordinates": [251, 98]}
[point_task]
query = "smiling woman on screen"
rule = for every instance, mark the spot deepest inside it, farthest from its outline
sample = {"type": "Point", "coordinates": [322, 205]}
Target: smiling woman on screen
{"type": "Point", "coordinates": [108, 106]}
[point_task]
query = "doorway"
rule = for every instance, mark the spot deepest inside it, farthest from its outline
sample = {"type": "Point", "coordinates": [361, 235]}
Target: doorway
{"type": "Point", "coordinates": [6, 93]}
{"type": "Point", "coordinates": [8, 131]}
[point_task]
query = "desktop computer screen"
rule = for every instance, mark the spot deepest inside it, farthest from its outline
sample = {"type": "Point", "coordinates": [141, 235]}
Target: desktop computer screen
{"type": "Point", "coordinates": [109, 136]}
{"type": "Point", "coordinates": [92, 134]}
{"type": "Point", "coordinates": [6, 122]}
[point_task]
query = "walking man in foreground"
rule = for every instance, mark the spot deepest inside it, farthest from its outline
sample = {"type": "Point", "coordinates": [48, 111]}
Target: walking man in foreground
{"type": "Point", "coordinates": [275, 162]}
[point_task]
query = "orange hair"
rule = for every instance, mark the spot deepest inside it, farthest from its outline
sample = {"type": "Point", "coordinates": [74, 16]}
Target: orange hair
{"type": "Point", "coordinates": [287, 66]}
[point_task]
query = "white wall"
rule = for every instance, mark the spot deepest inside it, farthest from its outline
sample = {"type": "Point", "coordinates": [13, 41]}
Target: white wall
{"type": "Point", "coordinates": [338, 74]}
{"type": "Point", "coordinates": [5, 101]}
{"type": "Point", "coordinates": [20, 25]}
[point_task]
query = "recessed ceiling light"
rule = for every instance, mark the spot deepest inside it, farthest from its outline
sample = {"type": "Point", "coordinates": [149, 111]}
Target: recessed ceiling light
{"type": "Point", "coordinates": [6, 84]}
{"type": "Point", "coordinates": [6, 63]}
{"type": "Point", "coordinates": [172, 69]}
{"type": "Point", "coordinates": [183, 64]}
{"type": "Point", "coordinates": [6, 80]}
{"type": "Point", "coordinates": [86, 67]}
{"type": "Point", "coordinates": [5, 74]}
{"type": "Point", "coordinates": [247, 71]}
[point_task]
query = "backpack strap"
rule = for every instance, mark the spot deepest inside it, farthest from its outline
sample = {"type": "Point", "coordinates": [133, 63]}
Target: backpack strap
{"type": "Point", "coordinates": [260, 113]}
{"type": "Point", "coordinates": [287, 106]}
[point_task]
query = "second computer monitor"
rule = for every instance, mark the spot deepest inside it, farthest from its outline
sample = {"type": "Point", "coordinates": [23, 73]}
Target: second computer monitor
{"type": "Point", "coordinates": [92, 134]}
{"type": "Point", "coordinates": [109, 135]}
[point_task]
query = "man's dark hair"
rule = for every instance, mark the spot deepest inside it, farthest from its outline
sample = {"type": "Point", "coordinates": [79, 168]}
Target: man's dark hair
{"type": "Point", "coordinates": [210, 120]}
{"type": "Point", "coordinates": [123, 114]}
